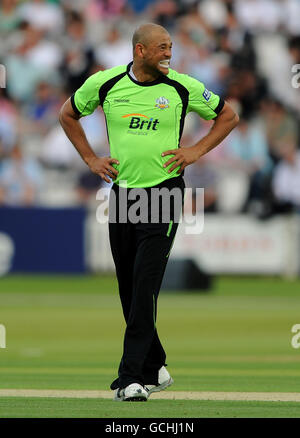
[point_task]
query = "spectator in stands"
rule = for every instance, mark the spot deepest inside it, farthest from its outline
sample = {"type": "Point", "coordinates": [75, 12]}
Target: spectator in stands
{"type": "Point", "coordinates": [37, 58]}
{"type": "Point", "coordinates": [9, 17]}
{"type": "Point", "coordinates": [114, 51]}
{"type": "Point", "coordinates": [139, 6]}
{"type": "Point", "coordinates": [57, 151]}
{"type": "Point", "coordinates": [164, 12]}
{"type": "Point", "coordinates": [79, 56]}
{"type": "Point", "coordinates": [281, 127]}
{"type": "Point", "coordinates": [41, 112]}
{"type": "Point", "coordinates": [259, 15]}
{"type": "Point", "coordinates": [185, 50]}
{"type": "Point", "coordinates": [286, 180]}
{"type": "Point", "coordinates": [20, 179]}
{"type": "Point", "coordinates": [8, 125]}
{"type": "Point", "coordinates": [200, 175]}
{"type": "Point", "coordinates": [294, 52]}
{"type": "Point", "coordinates": [291, 16]}
{"type": "Point", "coordinates": [214, 12]}
{"type": "Point", "coordinates": [43, 15]}
{"type": "Point", "coordinates": [247, 150]}
{"type": "Point", "coordinates": [102, 10]}
{"type": "Point", "coordinates": [88, 185]}
{"type": "Point", "coordinates": [294, 48]}
{"type": "Point", "coordinates": [249, 88]}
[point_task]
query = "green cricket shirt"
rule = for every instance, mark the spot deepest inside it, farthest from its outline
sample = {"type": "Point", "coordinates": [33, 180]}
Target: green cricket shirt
{"type": "Point", "coordinates": [144, 119]}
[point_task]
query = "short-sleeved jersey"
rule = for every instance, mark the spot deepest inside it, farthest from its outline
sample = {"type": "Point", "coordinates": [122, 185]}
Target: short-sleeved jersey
{"type": "Point", "coordinates": [144, 119]}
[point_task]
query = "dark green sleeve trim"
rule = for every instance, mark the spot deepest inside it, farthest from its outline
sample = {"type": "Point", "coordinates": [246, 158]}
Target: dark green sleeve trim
{"type": "Point", "coordinates": [184, 96]}
{"type": "Point", "coordinates": [74, 105]}
{"type": "Point", "coordinates": [220, 106]}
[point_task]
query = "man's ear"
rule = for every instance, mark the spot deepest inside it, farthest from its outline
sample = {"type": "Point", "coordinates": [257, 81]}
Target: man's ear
{"type": "Point", "coordinates": [139, 50]}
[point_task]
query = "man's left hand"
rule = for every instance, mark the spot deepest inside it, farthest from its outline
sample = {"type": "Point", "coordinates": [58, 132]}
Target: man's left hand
{"type": "Point", "coordinates": [182, 157]}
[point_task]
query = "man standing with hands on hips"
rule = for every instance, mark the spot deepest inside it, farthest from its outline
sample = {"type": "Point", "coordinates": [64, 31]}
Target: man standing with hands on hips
{"type": "Point", "coordinates": [145, 103]}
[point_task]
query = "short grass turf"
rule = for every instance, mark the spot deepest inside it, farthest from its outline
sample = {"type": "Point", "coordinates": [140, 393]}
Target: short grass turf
{"type": "Point", "coordinates": [11, 407]}
{"type": "Point", "coordinates": [66, 333]}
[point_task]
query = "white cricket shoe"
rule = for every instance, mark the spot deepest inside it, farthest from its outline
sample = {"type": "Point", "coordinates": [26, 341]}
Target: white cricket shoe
{"type": "Point", "coordinates": [164, 380]}
{"type": "Point", "coordinates": [132, 392]}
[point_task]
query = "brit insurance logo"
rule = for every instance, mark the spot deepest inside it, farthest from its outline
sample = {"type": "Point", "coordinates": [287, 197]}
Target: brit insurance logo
{"type": "Point", "coordinates": [139, 124]}
{"type": "Point", "coordinates": [162, 103]}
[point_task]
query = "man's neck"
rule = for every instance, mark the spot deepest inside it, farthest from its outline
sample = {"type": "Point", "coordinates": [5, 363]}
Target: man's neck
{"type": "Point", "coordinates": [143, 76]}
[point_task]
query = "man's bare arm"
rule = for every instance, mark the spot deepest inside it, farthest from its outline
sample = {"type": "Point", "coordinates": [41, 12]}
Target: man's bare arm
{"type": "Point", "coordinates": [69, 121]}
{"type": "Point", "coordinates": [224, 123]}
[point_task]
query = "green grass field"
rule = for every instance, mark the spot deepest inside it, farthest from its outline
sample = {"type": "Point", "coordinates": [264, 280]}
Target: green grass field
{"type": "Point", "coordinates": [66, 333]}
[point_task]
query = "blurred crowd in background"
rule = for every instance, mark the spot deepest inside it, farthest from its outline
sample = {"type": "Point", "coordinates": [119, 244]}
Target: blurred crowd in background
{"type": "Point", "coordinates": [243, 50]}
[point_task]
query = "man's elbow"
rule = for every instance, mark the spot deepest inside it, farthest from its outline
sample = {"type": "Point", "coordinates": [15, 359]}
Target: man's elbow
{"type": "Point", "coordinates": [66, 113]}
{"type": "Point", "coordinates": [235, 119]}
{"type": "Point", "coordinates": [61, 114]}
{"type": "Point", "coordinates": [229, 116]}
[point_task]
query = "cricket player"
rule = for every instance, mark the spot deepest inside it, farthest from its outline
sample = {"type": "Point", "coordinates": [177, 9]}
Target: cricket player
{"type": "Point", "coordinates": [145, 104]}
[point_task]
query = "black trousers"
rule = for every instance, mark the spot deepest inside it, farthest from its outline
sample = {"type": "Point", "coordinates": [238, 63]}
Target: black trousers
{"type": "Point", "coordinates": [140, 252]}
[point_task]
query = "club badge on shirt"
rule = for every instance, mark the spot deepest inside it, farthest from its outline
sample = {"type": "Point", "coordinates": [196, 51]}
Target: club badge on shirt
{"type": "Point", "coordinates": [162, 103]}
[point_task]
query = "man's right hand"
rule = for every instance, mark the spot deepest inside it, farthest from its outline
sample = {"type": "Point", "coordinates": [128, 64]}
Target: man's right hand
{"type": "Point", "coordinates": [102, 167]}
{"type": "Point", "coordinates": [69, 121]}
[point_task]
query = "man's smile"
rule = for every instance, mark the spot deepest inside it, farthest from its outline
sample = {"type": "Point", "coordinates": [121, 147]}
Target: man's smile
{"type": "Point", "coordinates": [165, 63]}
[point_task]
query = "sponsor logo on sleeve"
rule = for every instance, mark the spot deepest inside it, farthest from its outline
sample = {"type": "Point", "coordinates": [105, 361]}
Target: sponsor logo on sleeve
{"type": "Point", "coordinates": [206, 94]}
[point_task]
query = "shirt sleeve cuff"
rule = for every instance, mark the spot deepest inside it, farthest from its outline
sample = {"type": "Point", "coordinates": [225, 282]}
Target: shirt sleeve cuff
{"type": "Point", "coordinates": [76, 110]}
{"type": "Point", "coordinates": [220, 106]}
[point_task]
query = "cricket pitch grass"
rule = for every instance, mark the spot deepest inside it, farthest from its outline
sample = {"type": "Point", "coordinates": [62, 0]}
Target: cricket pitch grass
{"type": "Point", "coordinates": [228, 350]}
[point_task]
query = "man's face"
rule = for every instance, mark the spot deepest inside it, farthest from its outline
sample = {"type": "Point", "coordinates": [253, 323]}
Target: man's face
{"type": "Point", "coordinates": [157, 53]}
